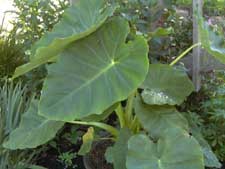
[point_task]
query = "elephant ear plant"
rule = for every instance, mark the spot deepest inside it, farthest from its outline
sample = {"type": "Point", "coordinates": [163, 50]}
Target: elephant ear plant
{"type": "Point", "coordinates": [94, 66]}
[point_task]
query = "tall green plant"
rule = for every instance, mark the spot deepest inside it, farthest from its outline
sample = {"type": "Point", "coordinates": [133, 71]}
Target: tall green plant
{"type": "Point", "coordinates": [95, 66]}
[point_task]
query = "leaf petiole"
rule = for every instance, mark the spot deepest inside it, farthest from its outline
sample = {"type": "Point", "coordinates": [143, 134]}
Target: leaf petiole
{"type": "Point", "coordinates": [184, 53]}
{"type": "Point", "coordinates": [104, 126]}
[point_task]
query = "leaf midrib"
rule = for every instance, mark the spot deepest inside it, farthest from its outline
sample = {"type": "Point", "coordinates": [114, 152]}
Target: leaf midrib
{"type": "Point", "coordinates": [108, 67]}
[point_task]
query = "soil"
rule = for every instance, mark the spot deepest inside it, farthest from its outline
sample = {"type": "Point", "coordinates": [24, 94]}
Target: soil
{"type": "Point", "coordinates": [50, 158]}
{"type": "Point", "coordinates": [96, 157]}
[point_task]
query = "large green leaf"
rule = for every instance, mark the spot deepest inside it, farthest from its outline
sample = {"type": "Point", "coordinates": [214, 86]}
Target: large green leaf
{"type": "Point", "coordinates": [118, 153]}
{"type": "Point", "coordinates": [34, 130]}
{"type": "Point", "coordinates": [176, 150]}
{"type": "Point", "coordinates": [156, 119]}
{"type": "Point", "coordinates": [212, 42]}
{"type": "Point", "coordinates": [166, 85]}
{"type": "Point", "coordinates": [94, 73]}
{"type": "Point", "coordinates": [78, 21]}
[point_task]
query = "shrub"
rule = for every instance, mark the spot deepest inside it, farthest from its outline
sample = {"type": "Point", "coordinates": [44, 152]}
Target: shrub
{"type": "Point", "coordinates": [11, 56]}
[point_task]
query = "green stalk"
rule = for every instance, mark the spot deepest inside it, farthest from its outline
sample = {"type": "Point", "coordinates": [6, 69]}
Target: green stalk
{"type": "Point", "coordinates": [135, 125]}
{"type": "Point", "coordinates": [129, 108]}
{"type": "Point", "coordinates": [104, 126]}
{"type": "Point", "coordinates": [184, 53]}
{"type": "Point", "coordinates": [120, 115]}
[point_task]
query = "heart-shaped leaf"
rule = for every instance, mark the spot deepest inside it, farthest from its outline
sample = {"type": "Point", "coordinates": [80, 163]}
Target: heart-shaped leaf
{"type": "Point", "coordinates": [34, 130]}
{"type": "Point", "coordinates": [94, 73]}
{"type": "Point", "coordinates": [166, 85]}
{"type": "Point", "coordinates": [156, 119]}
{"type": "Point", "coordinates": [78, 21]}
{"type": "Point", "coordinates": [176, 150]}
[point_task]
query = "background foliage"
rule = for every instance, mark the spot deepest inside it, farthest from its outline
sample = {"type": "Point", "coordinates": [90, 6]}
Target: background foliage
{"type": "Point", "coordinates": [213, 118]}
{"type": "Point", "coordinates": [11, 56]}
{"type": "Point", "coordinates": [35, 17]}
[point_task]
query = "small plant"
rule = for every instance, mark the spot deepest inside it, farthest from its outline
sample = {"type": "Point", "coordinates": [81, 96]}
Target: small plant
{"type": "Point", "coordinates": [66, 159]}
{"type": "Point", "coordinates": [74, 136]}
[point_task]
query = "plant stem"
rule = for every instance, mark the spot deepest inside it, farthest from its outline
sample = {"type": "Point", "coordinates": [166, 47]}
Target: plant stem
{"type": "Point", "coordinates": [104, 126]}
{"type": "Point", "coordinates": [111, 138]}
{"type": "Point", "coordinates": [184, 53]}
{"type": "Point", "coordinates": [120, 115]}
{"type": "Point", "coordinates": [129, 108]}
{"type": "Point", "coordinates": [135, 125]}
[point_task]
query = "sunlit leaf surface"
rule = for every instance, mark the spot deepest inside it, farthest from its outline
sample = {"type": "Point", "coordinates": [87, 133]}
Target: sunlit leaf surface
{"type": "Point", "coordinates": [94, 73]}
